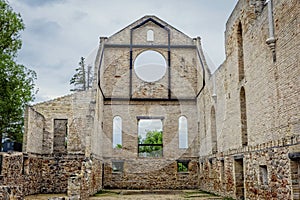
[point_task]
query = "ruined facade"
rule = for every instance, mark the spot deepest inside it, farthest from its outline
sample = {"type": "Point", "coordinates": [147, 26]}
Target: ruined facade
{"type": "Point", "coordinates": [234, 132]}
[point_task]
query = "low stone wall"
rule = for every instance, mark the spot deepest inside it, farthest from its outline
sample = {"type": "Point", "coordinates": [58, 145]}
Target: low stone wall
{"type": "Point", "coordinates": [57, 169]}
{"type": "Point", "coordinates": [10, 192]}
{"type": "Point", "coordinates": [21, 174]}
{"type": "Point", "coordinates": [151, 174]}
{"type": "Point", "coordinates": [88, 181]}
{"type": "Point", "coordinates": [32, 174]}
{"type": "Point", "coordinates": [96, 176]}
{"type": "Point", "coordinates": [11, 168]}
{"type": "Point", "coordinates": [261, 172]}
{"type": "Point", "coordinates": [24, 174]}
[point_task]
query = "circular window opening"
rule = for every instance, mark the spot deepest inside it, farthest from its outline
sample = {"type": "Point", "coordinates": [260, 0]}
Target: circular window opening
{"type": "Point", "coordinates": [150, 66]}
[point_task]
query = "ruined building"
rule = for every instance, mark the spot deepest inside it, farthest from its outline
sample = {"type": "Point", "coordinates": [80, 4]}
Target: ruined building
{"type": "Point", "coordinates": [234, 132]}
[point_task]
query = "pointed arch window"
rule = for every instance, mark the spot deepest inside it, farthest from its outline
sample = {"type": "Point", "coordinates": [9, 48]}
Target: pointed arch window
{"type": "Point", "coordinates": [150, 36]}
{"type": "Point", "coordinates": [183, 132]}
{"type": "Point", "coordinates": [240, 51]}
{"type": "Point", "coordinates": [117, 132]}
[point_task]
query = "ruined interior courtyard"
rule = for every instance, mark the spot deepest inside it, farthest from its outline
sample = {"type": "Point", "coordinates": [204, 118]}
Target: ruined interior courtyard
{"type": "Point", "coordinates": [234, 132]}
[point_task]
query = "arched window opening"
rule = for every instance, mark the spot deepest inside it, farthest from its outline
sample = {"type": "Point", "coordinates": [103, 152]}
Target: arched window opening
{"type": "Point", "coordinates": [117, 132]}
{"type": "Point", "coordinates": [150, 36]}
{"type": "Point", "coordinates": [213, 130]}
{"type": "Point", "coordinates": [240, 51]}
{"type": "Point", "coordinates": [183, 132]}
{"type": "Point", "coordinates": [243, 117]}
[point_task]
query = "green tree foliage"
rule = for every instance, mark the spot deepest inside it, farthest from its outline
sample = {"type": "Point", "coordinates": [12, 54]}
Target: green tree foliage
{"type": "Point", "coordinates": [10, 26]}
{"type": "Point", "coordinates": [152, 138]}
{"type": "Point", "coordinates": [82, 78]}
{"type": "Point", "coordinates": [182, 167]}
{"type": "Point", "coordinates": [17, 82]}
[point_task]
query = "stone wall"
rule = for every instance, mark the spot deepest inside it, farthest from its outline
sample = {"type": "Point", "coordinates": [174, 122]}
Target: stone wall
{"type": "Point", "coordinates": [249, 109]}
{"type": "Point", "coordinates": [261, 169]}
{"type": "Point", "coordinates": [129, 111]}
{"type": "Point", "coordinates": [123, 36]}
{"type": "Point", "coordinates": [271, 88]}
{"type": "Point", "coordinates": [88, 181]}
{"type": "Point", "coordinates": [21, 173]}
{"type": "Point", "coordinates": [29, 174]}
{"type": "Point", "coordinates": [75, 109]}
{"type": "Point", "coordinates": [10, 192]}
{"type": "Point", "coordinates": [32, 174]}
{"type": "Point", "coordinates": [151, 174]}
{"type": "Point", "coordinates": [34, 128]}
{"type": "Point", "coordinates": [185, 67]}
{"type": "Point", "coordinates": [11, 175]}
{"type": "Point", "coordinates": [240, 172]}
{"type": "Point", "coordinates": [56, 171]}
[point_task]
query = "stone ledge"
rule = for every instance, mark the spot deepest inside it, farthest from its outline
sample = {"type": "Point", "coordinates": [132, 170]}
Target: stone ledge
{"type": "Point", "coordinates": [284, 142]}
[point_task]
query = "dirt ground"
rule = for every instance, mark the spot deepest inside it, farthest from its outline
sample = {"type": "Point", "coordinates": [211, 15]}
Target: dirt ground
{"type": "Point", "coordinates": [139, 195]}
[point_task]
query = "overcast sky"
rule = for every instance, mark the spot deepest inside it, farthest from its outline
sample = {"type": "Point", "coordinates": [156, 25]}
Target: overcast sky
{"type": "Point", "coordinates": [59, 32]}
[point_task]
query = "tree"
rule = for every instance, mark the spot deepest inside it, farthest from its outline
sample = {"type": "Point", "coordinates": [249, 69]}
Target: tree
{"type": "Point", "coordinates": [17, 81]}
{"type": "Point", "coordinates": [152, 144]}
{"type": "Point", "coordinates": [82, 79]}
{"type": "Point", "coordinates": [10, 26]}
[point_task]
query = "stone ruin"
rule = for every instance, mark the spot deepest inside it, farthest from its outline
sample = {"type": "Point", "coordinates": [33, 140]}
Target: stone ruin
{"type": "Point", "coordinates": [234, 132]}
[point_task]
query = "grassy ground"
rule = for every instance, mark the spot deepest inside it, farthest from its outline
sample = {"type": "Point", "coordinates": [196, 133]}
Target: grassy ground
{"type": "Point", "coordinates": [157, 195]}
{"type": "Point", "coordinates": [140, 195]}
{"type": "Point", "coordinates": [43, 196]}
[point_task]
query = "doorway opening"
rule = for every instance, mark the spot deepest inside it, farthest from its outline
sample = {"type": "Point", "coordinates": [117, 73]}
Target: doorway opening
{"type": "Point", "coordinates": [239, 178]}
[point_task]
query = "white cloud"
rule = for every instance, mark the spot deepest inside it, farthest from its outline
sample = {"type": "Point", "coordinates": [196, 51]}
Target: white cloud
{"type": "Point", "coordinates": [59, 32]}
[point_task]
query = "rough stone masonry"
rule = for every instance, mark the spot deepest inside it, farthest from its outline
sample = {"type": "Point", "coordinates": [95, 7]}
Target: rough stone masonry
{"type": "Point", "coordinates": [234, 132]}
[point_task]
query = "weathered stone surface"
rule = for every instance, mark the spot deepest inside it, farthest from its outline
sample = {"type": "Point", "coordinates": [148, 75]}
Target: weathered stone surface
{"type": "Point", "coordinates": [157, 174]}
{"type": "Point", "coordinates": [241, 126]}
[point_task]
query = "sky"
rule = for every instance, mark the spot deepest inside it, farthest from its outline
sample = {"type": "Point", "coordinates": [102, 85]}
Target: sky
{"type": "Point", "coordinates": [58, 32]}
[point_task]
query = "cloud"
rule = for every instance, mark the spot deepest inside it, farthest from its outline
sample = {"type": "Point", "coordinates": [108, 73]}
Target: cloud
{"type": "Point", "coordinates": [59, 32]}
{"type": "Point", "coordinates": [43, 27]}
{"type": "Point", "coordinates": [41, 2]}
{"type": "Point", "coordinates": [79, 15]}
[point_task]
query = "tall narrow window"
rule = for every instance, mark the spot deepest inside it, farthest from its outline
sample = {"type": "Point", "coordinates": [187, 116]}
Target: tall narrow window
{"type": "Point", "coordinates": [243, 117]}
{"type": "Point", "coordinates": [183, 132]}
{"type": "Point", "coordinates": [150, 36]}
{"type": "Point", "coordinates": [117, 132]}
{"type": "Point", "coordinates": [60, 135]}
{"type": "Point", "coordinates": [240, 51]}
{"type": "Point", "coordinates": [213, 130]}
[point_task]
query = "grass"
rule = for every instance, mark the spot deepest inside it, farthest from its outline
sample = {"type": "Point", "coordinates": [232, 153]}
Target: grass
{"type": "Point", "coordinates": [186, 194]}
{"type": "Point", "coordinates": [102, 193]}
{"type": "Point", "coordinates": [228, 198]}
{"type": "Point", "coordinates": [198, 193]}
